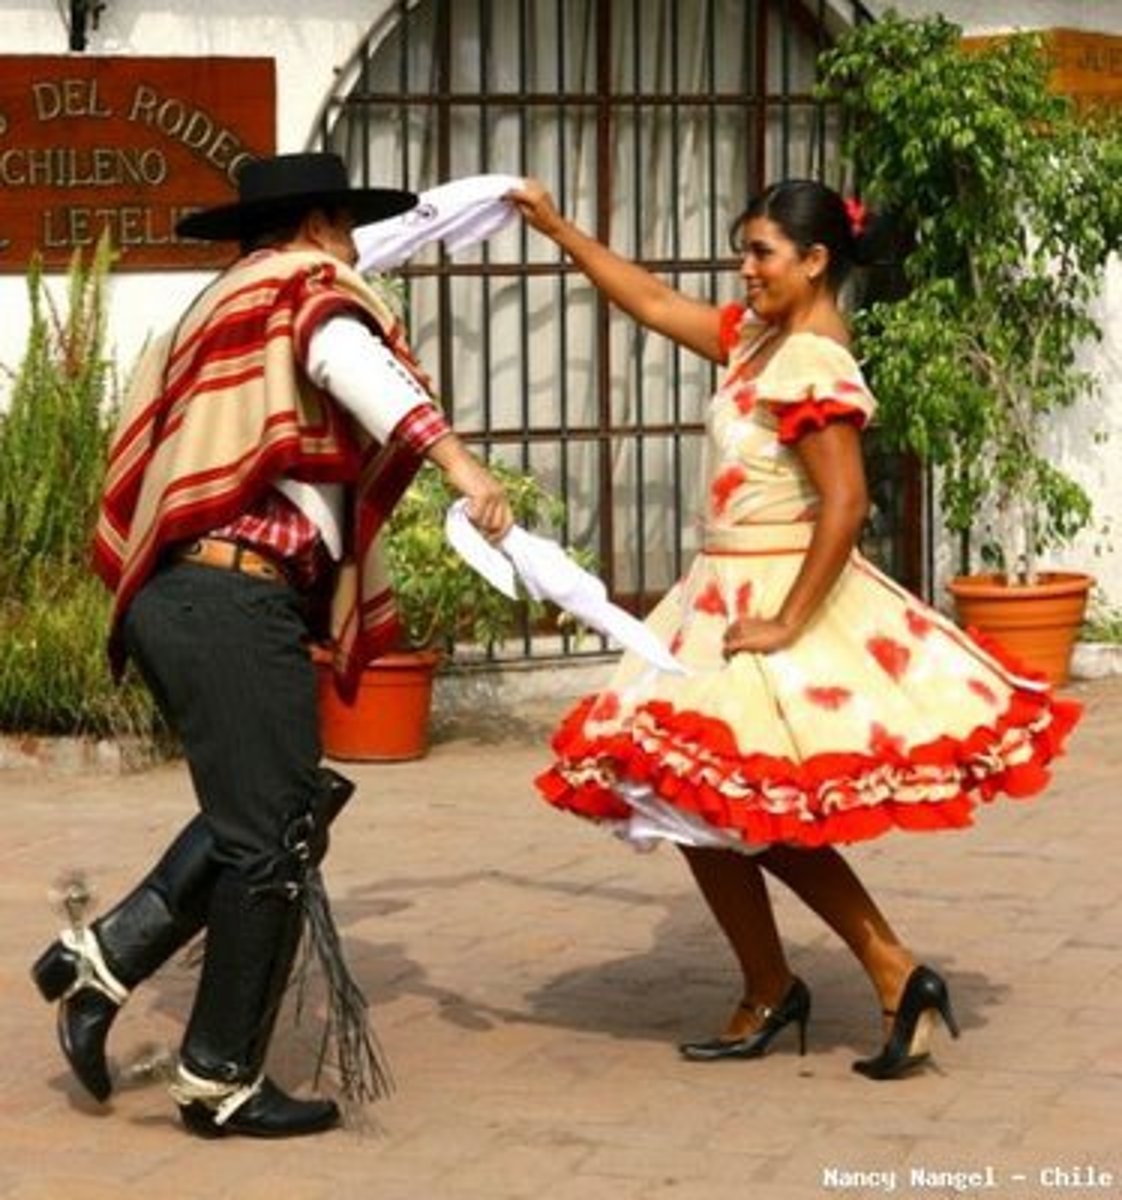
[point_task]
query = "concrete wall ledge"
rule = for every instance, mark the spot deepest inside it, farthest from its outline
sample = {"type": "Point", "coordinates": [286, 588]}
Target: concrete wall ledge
{"type": "Point", "coordinates": [75, 755]}
{"type": "Point", "coordinates": [1096, 660]}
{"type": "Point", "coordinates": [485, 702]}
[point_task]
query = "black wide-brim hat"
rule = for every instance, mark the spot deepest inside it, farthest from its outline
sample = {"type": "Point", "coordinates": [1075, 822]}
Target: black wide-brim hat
{"type": "Point", "coordinates": [287, 185]}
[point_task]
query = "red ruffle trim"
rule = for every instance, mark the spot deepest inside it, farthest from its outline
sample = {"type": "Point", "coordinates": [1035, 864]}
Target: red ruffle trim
{"type": "Point", "coordinates": [714, 757]}
{"type": "Point", "coordinates": [807, 416]}
{"type": "Point", "coordinates": [729, 332]}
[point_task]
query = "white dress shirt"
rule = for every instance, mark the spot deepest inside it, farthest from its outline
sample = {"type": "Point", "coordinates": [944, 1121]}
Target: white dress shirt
{"type": "Point", "coordinates": [355, 366]}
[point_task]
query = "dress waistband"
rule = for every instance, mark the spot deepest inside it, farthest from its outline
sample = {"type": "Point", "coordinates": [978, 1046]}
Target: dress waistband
{"type": "Point", "coordinates": [779, 537]}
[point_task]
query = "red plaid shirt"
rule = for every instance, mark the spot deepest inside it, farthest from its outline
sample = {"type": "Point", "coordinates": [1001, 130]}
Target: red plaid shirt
{"type": "Point", "coordinates": [277, 528]}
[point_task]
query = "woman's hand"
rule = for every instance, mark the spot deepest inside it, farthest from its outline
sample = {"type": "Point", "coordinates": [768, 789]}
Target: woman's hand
{"type": "Point", "coordinates": [536, 205]}
{"type": "Point", "coordinates": [756, 635]}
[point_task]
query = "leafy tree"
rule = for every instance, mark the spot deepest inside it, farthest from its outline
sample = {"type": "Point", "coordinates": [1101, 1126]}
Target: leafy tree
{"type": "Point", "coordinates": [1012, 202]}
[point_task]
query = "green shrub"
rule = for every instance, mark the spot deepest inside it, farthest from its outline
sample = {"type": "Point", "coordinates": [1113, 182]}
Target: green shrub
{"type": "Point", "coordinates": [54, 678]}
{"type": "Point", "coordinates": [54, 612]}
{"type": "Point", "coordinates": [1103, 623]}
{"type": "Point", "coordinates": [441, 598]}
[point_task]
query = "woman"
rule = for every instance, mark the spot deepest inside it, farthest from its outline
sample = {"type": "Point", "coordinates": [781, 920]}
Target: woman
{"type": "Point", "coordinates": [824, 703]}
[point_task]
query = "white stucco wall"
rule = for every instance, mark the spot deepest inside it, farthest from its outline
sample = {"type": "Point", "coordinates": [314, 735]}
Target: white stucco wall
{"type": "Point", "coordinates": [1088, 444]}
{"type": "Point", "coordinates": [311, 42]}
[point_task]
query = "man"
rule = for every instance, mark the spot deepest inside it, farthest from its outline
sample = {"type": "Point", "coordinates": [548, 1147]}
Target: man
{"type": "Point", "coordinates": [264, 442]}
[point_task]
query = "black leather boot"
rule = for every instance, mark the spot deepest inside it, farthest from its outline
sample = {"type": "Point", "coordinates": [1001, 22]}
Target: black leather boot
{"type": "Point", "coordinates": [253, 930]}
{"type": "Point", "coordinates": [92, 972]}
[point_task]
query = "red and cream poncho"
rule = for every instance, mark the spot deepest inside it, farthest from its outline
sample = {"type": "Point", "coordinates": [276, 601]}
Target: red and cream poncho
{"type": "Point", "coordinates": [220, 407]}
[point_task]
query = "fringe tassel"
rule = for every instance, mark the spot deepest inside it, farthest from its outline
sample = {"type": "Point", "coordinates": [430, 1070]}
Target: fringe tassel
{"type": "Point", "coordinates": [364, 1073]}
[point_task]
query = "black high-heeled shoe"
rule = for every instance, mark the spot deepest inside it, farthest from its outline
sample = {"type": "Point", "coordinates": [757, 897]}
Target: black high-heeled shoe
{"type": "Point", "coordinates": [794, 1008]}
{"type": "Point", "coordinates": [924, 995]}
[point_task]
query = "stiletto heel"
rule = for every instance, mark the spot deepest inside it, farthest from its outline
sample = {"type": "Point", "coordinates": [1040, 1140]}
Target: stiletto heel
{"type": "Point", "coordinates": [803, 1020]}
{"type": "Point", "coordinates": [794, 1008]}
{"type": "Point", "coordinates": [924, 995]}
{"type": "Point", "coordinates": [947, 1015]}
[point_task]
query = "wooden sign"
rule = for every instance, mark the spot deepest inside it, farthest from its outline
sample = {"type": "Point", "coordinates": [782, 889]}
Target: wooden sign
{"type": "Point", "coordinates": [128, 146]}
{"type": "Point", "coordinates": [1088, 67]}
{"type": "Point", "coordinates": [1085, 66]}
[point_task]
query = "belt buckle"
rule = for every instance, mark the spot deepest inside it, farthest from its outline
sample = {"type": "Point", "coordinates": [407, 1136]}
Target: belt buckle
{"type": "Point", "coordinates": [250, 561]}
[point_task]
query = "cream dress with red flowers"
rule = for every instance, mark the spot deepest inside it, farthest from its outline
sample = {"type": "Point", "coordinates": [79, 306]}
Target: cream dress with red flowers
{"type": "Point", "coordinates": [882, 714]}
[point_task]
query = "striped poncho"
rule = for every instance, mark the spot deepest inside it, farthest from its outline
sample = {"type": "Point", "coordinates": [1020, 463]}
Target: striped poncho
{"type": "Point", "coordinates": [221, 406]}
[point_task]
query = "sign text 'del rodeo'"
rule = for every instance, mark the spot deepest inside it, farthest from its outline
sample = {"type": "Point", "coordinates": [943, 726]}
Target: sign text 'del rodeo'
{"type": "Point", "coordinates": [127, 145]}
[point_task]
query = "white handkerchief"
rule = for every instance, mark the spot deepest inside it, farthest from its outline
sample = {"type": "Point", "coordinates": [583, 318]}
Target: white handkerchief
{"type": "Point", "coordinates": [548, 573]}
{"type": "Point", "coordinates": [477, 551]}
{"type": "Point", "coordinates": [461, 212]}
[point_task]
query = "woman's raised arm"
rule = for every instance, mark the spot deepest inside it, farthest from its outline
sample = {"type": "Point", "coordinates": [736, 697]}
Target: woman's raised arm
{"type": "Point", "coordinates": [640, 294]}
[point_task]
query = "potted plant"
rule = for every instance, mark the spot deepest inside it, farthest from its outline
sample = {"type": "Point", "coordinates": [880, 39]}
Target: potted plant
{"type": "Point", "coordinates": [442, 601]}
{"type": "Point", "coordinates": [1013, 207]}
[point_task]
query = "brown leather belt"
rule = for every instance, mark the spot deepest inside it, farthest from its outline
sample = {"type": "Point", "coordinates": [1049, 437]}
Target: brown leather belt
{"type": "Point", "coordinates": [230, 556]}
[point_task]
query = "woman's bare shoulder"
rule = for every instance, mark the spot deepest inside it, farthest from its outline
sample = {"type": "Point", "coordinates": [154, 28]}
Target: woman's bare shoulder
{"type": "Point", "coordinates": [827, 331]}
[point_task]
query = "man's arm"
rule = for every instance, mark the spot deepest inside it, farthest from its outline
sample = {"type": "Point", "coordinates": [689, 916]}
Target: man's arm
{"type": "Point", "coordinates": [351, 363]}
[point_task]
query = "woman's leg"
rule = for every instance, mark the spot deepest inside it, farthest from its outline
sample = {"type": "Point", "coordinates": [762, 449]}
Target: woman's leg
{"type": "Point", "coordinates": [736, 893]}
{"type": "Point", "coordinates": [826, 883]}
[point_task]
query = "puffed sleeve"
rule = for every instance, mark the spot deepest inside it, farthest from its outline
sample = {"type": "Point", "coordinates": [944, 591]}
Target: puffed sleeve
{"type": "Point", "coordinates": [732, 316]}
{"type": "Point", "coordinates": [812, 381]}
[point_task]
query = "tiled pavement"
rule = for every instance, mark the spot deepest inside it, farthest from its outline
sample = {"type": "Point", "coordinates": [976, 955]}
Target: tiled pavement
{"type": "Point", "coordinates": [530, 978]}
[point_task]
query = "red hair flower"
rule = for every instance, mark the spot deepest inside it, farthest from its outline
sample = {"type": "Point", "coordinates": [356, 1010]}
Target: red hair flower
{"type": "Point", "coordinates": [857, 214]}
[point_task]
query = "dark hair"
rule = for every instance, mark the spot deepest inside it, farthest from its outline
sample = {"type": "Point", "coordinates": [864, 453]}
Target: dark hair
{"type": "Point", "coordinates": [809, 213]}
{"type": "Point", "coordinates": [283, 224]}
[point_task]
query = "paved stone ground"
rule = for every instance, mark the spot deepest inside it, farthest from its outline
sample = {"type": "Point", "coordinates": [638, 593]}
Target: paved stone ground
{"type": "Point", "coordinates": [530, 978]}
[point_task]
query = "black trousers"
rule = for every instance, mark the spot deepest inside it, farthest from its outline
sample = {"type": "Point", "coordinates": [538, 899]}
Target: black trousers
{"type": "Point", "coordinates": [226, 657]}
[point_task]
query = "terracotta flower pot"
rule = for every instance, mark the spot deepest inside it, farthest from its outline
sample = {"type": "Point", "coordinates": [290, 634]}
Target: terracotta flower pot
{"type": "Point", "coordinates": [1037, 623]}
{"type": "Point", "coordinates": [388, 719]}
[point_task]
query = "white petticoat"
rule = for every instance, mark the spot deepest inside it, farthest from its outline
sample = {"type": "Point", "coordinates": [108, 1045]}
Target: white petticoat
{"type": "Point", "coordinates": [653, 820]}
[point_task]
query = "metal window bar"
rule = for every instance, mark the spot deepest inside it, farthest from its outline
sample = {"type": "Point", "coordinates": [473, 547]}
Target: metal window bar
{"type": "Point", "coordinates": [638, 343]}
{"type": "Point", "coordinates": [675, 252]}
{"type": "Point", "coordinates": [550, 109]}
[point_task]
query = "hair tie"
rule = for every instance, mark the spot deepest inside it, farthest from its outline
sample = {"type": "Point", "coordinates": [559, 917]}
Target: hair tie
{"type": "Point", "coordinates": [856, 212]}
